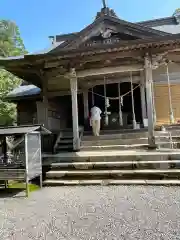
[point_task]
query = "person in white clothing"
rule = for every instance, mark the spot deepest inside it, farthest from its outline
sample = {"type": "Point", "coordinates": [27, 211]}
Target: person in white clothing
{"type": "Point", "coordinates": [96, 120]}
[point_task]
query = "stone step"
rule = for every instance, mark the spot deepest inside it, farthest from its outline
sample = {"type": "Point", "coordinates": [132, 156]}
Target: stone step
{"type": "Point", "coordinates": [62, 173]}
{"type": "Point", "coordinates": [86, 165]}
{"type": "Point", "coordinates": [53, 182]}
{"type": "Point", "coordinates": [135, 135]}
{"type": "Point", "coordinates": [108, 142]}
{"type": "Point", "coordinates": [160, 145]}
{"type": "Point", "coordinates": [113, 147]}
{"type": "Point", "coordinates": [111, 156]}
{"type": "Point", "coordinates": [119, 131]}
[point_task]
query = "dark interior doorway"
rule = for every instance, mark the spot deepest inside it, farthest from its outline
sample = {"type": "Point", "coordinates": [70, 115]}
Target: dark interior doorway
{"type": "Point", "coordinates": [67, 102]}
{"type": "Point", "coordinates": [112, 91]}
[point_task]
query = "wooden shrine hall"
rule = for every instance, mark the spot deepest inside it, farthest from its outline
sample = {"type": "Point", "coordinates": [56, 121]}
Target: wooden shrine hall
{"type": "Point", "coordinates": [130, 70]}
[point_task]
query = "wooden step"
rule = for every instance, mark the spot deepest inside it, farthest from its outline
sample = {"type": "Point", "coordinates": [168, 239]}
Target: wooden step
{"type": "Point", "coordinates": [110, 182]}
{"type": "Point", "coordinates": [66, 137]}
{"type": "Point", "coordinates": [65, 141]}
{"type": "Point", "coordinates": [64, 147]}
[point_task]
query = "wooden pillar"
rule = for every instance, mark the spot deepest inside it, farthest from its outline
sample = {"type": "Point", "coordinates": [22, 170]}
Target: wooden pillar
{"type": "Point", "coordinates": [42, 108]}
{"type": "Point", "coordinates": [153, 102]}
{"type": "Point", "coordinates": [45, 103]}
{"type": "Point", "coordinates": [86, 108]}
{"type": "Point", "coordinates": [132, 99]}
{"type": "Point", "coordinates": [106, 107]}
{"type": "Point", "coordinates": [86, 104]}
{"type": "Point", "coordinates": [120, 110]}
{"type": "Point", "coordinates": [171, 113]}
{"type": "Point", "coordinates": [74, 88]}
{"type": "Point", "coordinates": [92, 92]}
{"type": "Point", "coordinates": [40, 156]}
{"type": "Point", "coordinates": [149, 96]}
{"type": "Point", "coordinates": [26, 164]}
{"type": "Point", "coordinates": [4, 148]}
{"type": "Point", "coordinates": [143, 96]}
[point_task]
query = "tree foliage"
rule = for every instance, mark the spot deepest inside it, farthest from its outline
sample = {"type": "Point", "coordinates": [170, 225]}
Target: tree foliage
{"type": "Point", "coordinates": [177, 10]}
{"type": "Point", "coordinates": [11, 44]}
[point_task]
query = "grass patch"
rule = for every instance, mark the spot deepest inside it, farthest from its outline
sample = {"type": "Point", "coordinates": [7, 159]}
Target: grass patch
{"type": "Point", "coordinates": [21, 185]}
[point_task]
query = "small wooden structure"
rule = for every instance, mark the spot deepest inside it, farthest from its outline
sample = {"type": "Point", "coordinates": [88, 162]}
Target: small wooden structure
{"type": "Point", "coordinates": [21, 154]}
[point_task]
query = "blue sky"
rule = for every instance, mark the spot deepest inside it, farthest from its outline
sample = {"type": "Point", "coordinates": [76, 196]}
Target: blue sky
{"type": "Point", "coordinates": [37, 19]}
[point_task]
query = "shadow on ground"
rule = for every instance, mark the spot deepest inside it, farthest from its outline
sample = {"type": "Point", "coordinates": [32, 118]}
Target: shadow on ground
{"type": "Point", "coordinates": [11, 192]}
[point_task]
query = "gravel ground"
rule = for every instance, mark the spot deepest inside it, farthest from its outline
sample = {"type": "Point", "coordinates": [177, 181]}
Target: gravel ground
{"type": "Point", "coordinates": [95, 212]}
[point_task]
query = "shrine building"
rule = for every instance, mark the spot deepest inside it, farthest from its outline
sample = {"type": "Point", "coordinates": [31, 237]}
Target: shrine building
{"type": "Point", "coordinates": [129, 70]}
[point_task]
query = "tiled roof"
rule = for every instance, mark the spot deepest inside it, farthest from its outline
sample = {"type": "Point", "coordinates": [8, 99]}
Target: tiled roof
{"type": "Point", "coordinates": [13, 130]}
{"type": "Point", "coordinates": [26, 90]}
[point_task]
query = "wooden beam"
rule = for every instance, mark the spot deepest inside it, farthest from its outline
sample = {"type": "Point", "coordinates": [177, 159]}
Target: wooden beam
{"type": "Point", "coordinates": [85, 36]}
{"type": "Point", "coordinates": [92, 56]}
{"type": "Point", "coordinates": [137, 55]}
{"type": "Point", "coordinates": [55, 72]}
{"type": "Point", "coordinates": [109, 70]}
{"type": "Point", "coordinates": [51, 64]}
{"type": "Point", "coordinates": [90, 83]}
{"type": "Point", "coordinates": [22, 70]}
{"type": "Point", "coordinates": [107, 63]}
{"type": "Point", "coordinates": [60, 93]}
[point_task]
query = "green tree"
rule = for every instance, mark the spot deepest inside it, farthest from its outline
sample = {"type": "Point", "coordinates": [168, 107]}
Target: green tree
{"type": "Point", "coordinates": [177, 10]}
{"type": "Point", "coordinates": [11, 44]}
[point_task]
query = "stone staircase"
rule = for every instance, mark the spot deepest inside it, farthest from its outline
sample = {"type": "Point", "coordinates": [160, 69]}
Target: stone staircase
{"type": "Point", "coordinates": [114, 167]}
{"type": "Point", "coordinates": [116, 158]}
{"type": "Point", "coordinates": [129, 140]}
{"type": "Point", "coordinates": [64, 141]}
